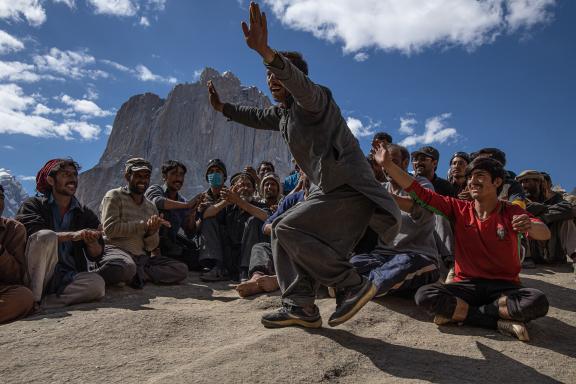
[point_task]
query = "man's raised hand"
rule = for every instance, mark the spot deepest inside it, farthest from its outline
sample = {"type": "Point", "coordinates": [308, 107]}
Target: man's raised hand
{"type": "Point", "coordinates": [214, 98]}
{"type": "Point", "coordinates": [382, 156]}
{"type": "Point", "coordinates": [256, 35]}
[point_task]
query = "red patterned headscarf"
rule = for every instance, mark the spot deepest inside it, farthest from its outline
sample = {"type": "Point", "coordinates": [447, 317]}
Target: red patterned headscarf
{"type": "Point", "coordinates": [42, 185]}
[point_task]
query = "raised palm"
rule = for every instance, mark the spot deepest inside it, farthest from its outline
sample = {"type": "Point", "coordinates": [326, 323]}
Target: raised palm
{"type": "Point", "coordinates": [256, 34]}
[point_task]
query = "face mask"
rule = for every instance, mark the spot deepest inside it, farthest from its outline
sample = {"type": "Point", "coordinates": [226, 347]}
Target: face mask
{"type": "Point", "coordinates": [215, 179]}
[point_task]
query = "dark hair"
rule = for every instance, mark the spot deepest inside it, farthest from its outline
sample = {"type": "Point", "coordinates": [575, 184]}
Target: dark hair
{"type": "Point", "coordinates": [462, 155]}
{"type": "Point", "coordinates": [382, 136]}
{"type": "Point", "coordinates": [172, 164]}
{"type": "Point", "coordinates": [494, 153]}
{"type": "Point", "coordinates": [403, 151]}
{"type": "Point", "coordinates": [296, 59]}
{"type": "Point", "coordinates": [490, 165]}
{"type": "Point", "coordinates": [266, 162]}
{"type": "Point", "coordinates": [1, 188]}
{"type": "Point", "coordinates": [546, 177]}
{"type": "Point", "coordinates": [62, 164]}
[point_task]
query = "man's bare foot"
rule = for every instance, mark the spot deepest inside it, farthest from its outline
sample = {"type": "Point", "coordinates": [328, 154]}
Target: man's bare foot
{"type": "Point", "coordinates": [268, 283]}
{"type": "Point", "coordinates": [250, 287]}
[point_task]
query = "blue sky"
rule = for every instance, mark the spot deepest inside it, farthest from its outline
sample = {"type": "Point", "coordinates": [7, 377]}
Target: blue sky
{"type": "Point", "coordinates": [455, 74]}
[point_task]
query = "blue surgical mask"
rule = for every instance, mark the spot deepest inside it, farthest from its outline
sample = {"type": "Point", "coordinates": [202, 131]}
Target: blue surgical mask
{"type": "Point", "coordinates": [215, 179]}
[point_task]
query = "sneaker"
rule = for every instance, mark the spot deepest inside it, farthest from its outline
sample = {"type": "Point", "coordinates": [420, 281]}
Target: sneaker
{"type": "Point", "coordinates": [215, 274]}
{"type": "Point", "coordinates": [513, 328]}
{"type": "Point", "coordinates": [351, 300]}
{"type": "Point", "coordinates": [441, 320]}
{"type": "Point", "coordinates": [291, 315]}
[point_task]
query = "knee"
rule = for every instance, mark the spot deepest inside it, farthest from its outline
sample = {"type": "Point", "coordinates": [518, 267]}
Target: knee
{"type": "Point", "coordinates": [180, 272]}
{"type": "Point", "coordinates": [44, 239]}
{"type": "Point", "coordinates": [119, 272]}
{"type": "Point", "coordinates": [97, 287]}
{"type": "Point", "coordinates": [24, 302]}
{"type": "Point", "coordinates": [425, 296]}
{"type": "Point", "coordinates": [536, 306]}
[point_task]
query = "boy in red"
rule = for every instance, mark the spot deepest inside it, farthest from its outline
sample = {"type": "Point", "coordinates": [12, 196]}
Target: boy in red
{"type": "Point", "coordinates": [486, 291]}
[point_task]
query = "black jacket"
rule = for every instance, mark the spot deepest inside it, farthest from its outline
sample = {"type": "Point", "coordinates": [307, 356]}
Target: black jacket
{"type": "Point", "coordinates": [36, 214]}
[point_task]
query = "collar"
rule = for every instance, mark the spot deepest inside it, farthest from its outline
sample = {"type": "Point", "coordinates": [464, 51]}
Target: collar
{"type": "Point", "coordinates": [74, 203]}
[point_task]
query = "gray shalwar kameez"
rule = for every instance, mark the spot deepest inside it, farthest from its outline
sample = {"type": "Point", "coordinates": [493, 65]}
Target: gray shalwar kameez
{"type": "Point", "coordinates": [311, 243]}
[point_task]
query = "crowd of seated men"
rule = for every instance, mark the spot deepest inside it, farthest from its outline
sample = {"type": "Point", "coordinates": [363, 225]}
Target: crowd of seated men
{"type": "Point", "coordinates": [58, 252]}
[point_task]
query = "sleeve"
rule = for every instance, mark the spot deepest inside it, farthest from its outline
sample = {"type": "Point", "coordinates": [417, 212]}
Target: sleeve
{"type": "Point", "coordinates": [267, 118]}
{"type": "Point", "coordinates": [12, 251]}
{"type": "Point", "coordinates": [438, 204]}
{"type": "Point", "coordinates": [113, 226]}
{"type": "Point", "coordinates": [309, 96]}
{"type": "Point", "coordinates": [152, 241]}
{"type": "Point", "coordinates": [155, 194]}
{"type": "Point", "coordinates": [558, 212]}
{"type": "Point", "coordinates": [91, 222]}
{"type": "Point", "coordinates": [30, 214]}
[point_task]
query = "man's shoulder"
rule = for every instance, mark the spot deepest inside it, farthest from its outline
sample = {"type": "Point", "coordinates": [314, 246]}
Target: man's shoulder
{"type": "Point", "coordinates": [114, 193]}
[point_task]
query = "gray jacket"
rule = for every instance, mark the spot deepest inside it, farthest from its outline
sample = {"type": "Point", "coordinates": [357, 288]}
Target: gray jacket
{"type": "Point", "coordinates": [321, 142]}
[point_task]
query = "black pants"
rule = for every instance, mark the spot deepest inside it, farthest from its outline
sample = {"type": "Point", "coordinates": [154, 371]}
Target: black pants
{"type": "Point", "coordinates": [524, 304]}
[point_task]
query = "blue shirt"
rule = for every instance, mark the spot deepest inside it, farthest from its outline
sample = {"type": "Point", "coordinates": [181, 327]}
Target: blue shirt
{"type": "Point", "coordinates": [62, 224]}
{"type": "Point", "coordinates": [158, 194]}
{"type": "Point", "coordinates": [288, 202]}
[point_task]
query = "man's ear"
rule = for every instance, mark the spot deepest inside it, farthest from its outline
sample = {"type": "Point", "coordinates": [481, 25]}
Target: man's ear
{"type": "Point", "coordinates": [51, 181]}
{"type": "Point", "coordinates": [498, 182]}
{"type": "Point", "coordinates": [127, 176]}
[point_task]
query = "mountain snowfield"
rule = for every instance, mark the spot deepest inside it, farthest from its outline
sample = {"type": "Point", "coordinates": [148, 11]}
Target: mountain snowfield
{"type": "Point", "coordinates": [14, 194]}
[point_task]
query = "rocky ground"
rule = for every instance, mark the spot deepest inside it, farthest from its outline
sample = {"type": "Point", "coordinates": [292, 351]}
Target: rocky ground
{"type": "Point", "coordinates": [204, 333]}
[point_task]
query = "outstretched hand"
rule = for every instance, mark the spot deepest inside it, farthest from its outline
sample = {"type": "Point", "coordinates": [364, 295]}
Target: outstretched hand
{"type": "Point", "coordinates": [256, 35]}
{"type": "Point", "coordinates": [214, 97]}
{"type": "Point", "coordinates": [382, 156]}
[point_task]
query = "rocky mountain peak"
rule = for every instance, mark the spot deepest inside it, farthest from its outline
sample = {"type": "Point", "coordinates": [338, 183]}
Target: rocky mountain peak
{"type": "Point", "coordinates": [14, 194]}
{"type": "Point", "coordinates": [184, 127]}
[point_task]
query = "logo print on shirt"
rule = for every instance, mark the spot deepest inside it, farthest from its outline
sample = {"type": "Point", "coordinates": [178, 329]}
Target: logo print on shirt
{"type": "Point", "coordinates": [500, 231]}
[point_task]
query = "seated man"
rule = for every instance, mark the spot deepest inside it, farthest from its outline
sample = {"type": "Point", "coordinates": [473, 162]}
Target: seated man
{"type": "Point", "coordinates": [131, 224]}
{"type": "Point", "coordinates": [176, 242]}
{"type": "Point", "coordinates": [486, 290]}
{"type": "Point", "coordinates": [261, 269]}
{"type": "Point", "coordinates": [511, 189]}
{"type": "Point", "coordinates": [411, 259]}
{"type": "Point", "coordinates": [457, 174]}
{"type": "Point", "coordinates": [16, 300]}
{"type": "Point", "coordinates": [270, 190]}
{"type": "Point", "coordinates": [230, 228]}
{"type": "Point", "coordinates": [554, 211]}
{"type": "Point", "coordinates": [63, 237]}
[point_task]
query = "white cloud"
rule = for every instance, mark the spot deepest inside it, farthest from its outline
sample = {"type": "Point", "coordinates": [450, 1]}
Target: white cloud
{"type": "Point", "coordinates": [361, 56]}
{"type": "Point", "coordinates": [407, 124]}
{"type": "Point", "coordinates": [409, 26]}
{"type": "Point", "coordinates": [15, 118]}
{"type": "Point", "coordinates": [17, 71]}
{"type": "Point", "coordinates": [144, 21]}
{"type": "Point", "coordinates": [114, 7]}
{"type": "Point", "coordinates": [8, 147]}
{"type": "Point", "coordinates": [359, 129]}
{"type": "Point", "coordinates": [435, 131]}
{"type": "Point", "coordinates": [144, 74]}
{"type": "Point", "coordinates": [155, 5]}
{"type": "Point", "coordinates": [26, 178]}
{"type": "Point", "coordinates": [70, 3]}
{"type": "Point", "coordinates": [15, 10]}
{"type": "Point", "coordinates": [108, 129]}
{"type": "Point", "coordinates": [116, 65]}
{"type": "Point", "coordinates": [41, 109]}
{"type": "Point", "coordinates": [91, 93]}
{"type": "Point", "coordinates": [84, 107]}
{"type": "Point", "coordinates": [9, 43]}
{"type": "Point", "coordinates": [69, 63]}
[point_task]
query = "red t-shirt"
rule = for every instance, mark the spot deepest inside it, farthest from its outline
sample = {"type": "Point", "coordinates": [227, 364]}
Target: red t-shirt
{"type": "Point", "coordinates": [485, 249]}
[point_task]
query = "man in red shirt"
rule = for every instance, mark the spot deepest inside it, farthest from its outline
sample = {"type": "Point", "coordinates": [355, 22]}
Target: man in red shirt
{"type": "Point", "coordinates": [486, 290]}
